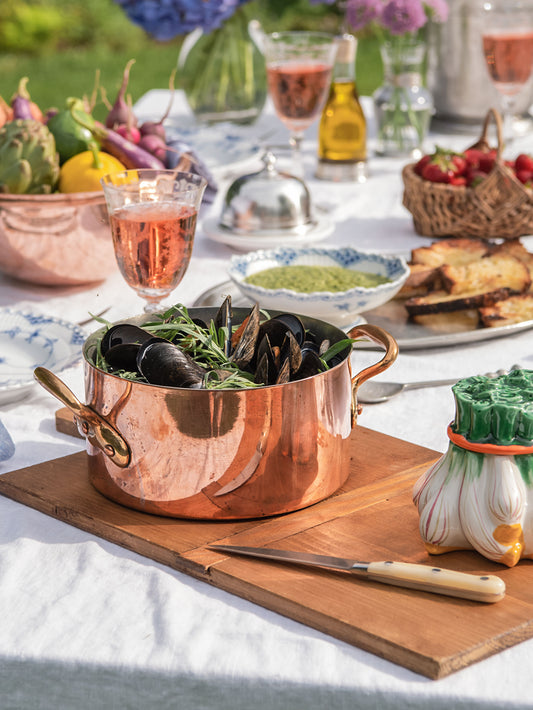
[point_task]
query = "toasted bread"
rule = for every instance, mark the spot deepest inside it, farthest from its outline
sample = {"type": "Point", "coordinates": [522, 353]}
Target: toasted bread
{"type": "Point", "coordinates": [499, 270]}
{"type": "Point", "coordinates": [421, 279]}
{"type": "Point", "coordinates": [514, 309]}
{"type": "Point", "coordinates": [444, 302]}
{"type": "Point", "coordinates": [453, 322]}
{"type": "Point", "coordinates": [450, 251]}
{"type": "Point", "coordinates": [517, 249]}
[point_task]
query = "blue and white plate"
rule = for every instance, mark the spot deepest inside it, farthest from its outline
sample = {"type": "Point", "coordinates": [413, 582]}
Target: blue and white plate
{"type": "Point", "coordinates": [341, 308]}
{"type": "Point", "coordinates": [221, 147]}
{"type": "Point", "coordinates": [29, 340]}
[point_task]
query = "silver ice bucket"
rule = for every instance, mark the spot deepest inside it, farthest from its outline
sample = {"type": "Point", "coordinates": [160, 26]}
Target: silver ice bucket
{"type": "Point", "coordinates": [457, 75]}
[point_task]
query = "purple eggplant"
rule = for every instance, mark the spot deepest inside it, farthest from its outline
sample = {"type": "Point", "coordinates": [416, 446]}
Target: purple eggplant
{"type": "Point", "coordinates": [129, 154]}
{"type": "Point", "coordinates": [22, 105]}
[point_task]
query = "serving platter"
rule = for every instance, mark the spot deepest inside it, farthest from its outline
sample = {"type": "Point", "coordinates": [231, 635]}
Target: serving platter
{"type": "Point", "coordinates": [28, 340]}
{"type": "Point", "coordinates": [392, 317]}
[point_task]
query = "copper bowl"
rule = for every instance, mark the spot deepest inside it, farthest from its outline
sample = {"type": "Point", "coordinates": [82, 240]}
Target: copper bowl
{"type": "Point", "coordinates": [56, 240]}
{"type": "Point", "coordinates": [226, 454]}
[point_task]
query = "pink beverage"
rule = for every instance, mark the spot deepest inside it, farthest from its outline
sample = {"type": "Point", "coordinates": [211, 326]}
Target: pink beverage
{"type": "Point", "coordinates": [153, 244]}
{"type": "Point", "coordinates": [298, 91]}
{"type": "Point", "coordinates": [509, 57]}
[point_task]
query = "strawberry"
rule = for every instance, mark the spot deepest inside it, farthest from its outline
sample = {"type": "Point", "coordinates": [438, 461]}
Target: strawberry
{"type": "Point", "coordinates": [444, 166]}
{"type": "Point", "coordinates": [525, 176]}
{"type": "Point", "coordinates": [482, 160]}
{"type": "Point", "coordinates": [474, 176]}
{"type": "Point", "coordinates": [458, 180]}
{"type": "Point", "coordinates": [523, 162]}
{"type": "Point", "coordinates": [420, 165]}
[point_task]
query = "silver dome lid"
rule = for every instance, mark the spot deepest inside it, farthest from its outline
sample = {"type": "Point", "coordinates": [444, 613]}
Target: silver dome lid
{"type": "Point", "coordinates": [267, 202]}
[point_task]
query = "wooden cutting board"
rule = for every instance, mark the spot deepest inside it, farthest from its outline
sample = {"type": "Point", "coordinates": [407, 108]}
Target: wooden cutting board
{"type": "Point", "coordinates": [371, 518]}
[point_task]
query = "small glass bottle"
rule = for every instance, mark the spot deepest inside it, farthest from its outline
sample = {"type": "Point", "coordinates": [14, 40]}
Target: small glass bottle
{"type": "Point", "coordinates": [342, 132]}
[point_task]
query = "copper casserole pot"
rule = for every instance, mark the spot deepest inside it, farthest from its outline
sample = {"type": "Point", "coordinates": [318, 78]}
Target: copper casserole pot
{"type": "Point", "coordinates": [220, 454]}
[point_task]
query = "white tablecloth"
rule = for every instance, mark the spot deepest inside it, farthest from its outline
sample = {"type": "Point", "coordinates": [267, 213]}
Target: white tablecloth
{"type": "Point", "coordinates": [87, 624]}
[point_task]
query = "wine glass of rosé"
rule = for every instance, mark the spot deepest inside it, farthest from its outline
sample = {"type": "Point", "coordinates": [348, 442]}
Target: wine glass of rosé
{"type": "Point", "coordinates": [153, 221]}
{"type": "Point", "coordinates": [299, 67]}
{"type": "Point", "coordinates": [507, 34]}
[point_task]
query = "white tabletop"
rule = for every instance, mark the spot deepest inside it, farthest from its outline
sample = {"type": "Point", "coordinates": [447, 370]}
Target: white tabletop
{"type": "Point", "coordinates": [87, 624]}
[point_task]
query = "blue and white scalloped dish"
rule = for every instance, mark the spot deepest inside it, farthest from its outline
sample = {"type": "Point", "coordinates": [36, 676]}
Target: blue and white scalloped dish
{"type": "Point", "coordinates": [341, 308]}
{"type": "Point", "coordinates": [28, 340]}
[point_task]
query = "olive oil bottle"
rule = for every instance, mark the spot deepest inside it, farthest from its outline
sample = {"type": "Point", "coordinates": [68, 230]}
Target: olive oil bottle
{"type": "Point", "coordinates": [342, 132]}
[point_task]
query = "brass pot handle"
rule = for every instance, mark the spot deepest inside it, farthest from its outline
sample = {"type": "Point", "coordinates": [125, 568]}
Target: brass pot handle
{"type": "Point", "coordinates": [93, 426]}
{"type": "Point", "coordinates": [381, 337]}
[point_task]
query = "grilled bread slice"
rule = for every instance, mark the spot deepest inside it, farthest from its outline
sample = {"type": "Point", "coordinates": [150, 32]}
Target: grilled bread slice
{"type": "Point", "coordinates": [450, 251]}
{"type": "Point", "coordinates": [453, 322]}
{"type": "Point", "coordinates": [444, 302]}
{"type": "Point", "coordinates": [514, 309]}
{"type": "Point", "coordinates": [421, 279]}
{"type": "Point", "coordinates": [517, 249]}
{"type": "Point", "coordinates": [498, 270]}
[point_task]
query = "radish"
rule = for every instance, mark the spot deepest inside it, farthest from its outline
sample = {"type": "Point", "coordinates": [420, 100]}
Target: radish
{"type": "Point", "coordinates": [150, 128]}
{"type": "Point", "coordinates": [155, 145]}
{"type": "Point", "coordinates": [131, 133]}
{"type": "Point", "coordinates": [129, 154]}
{"type": "Point", "coordinates": [121, 113]}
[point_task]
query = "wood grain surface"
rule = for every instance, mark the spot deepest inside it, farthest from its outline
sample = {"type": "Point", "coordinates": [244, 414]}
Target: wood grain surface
{"type": "Point", "coordinates": [372, 517]}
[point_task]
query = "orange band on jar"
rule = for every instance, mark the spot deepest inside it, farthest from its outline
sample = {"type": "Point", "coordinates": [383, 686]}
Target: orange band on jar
{"type": "Point", "coordinates": [481, 448]}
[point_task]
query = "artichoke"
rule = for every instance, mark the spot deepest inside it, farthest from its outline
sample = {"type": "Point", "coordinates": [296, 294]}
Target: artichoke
{"type": "Point", "coordinates": [29, 163]}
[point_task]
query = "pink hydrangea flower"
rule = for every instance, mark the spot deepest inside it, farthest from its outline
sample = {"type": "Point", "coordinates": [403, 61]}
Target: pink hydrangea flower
{"type": "Point", "coordinates": [360, 13]}
{"type": "Point", "coordinates": [401, 16]}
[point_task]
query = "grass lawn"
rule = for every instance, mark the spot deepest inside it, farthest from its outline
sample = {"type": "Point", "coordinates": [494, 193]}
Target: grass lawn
{"type": "Point", "coordinates": [54, 77]}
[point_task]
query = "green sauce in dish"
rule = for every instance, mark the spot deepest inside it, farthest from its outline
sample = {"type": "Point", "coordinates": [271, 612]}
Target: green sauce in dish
{"type": "Point", "coordinates": [307, 279]}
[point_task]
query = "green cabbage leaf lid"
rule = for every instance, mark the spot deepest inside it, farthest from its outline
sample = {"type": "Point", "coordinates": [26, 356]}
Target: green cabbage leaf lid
{"type": "Point", "coordinates": [495, 410]}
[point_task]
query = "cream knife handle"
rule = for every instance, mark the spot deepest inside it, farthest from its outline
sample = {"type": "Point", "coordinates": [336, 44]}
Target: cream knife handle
{"type": "Point", "coordinates": [485, 588]}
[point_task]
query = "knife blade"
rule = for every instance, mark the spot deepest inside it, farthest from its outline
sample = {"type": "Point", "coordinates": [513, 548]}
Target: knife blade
{"type": "Point", "coordinates": [479, 588]}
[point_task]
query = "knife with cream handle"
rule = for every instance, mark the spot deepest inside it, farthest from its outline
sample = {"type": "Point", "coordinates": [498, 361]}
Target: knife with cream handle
{"type": "Point", "coordinates": [482, 588]}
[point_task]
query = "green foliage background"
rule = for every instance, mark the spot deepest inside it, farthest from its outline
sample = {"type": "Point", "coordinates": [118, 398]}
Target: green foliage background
{"type": "Point", "coordinates": [60, 45]}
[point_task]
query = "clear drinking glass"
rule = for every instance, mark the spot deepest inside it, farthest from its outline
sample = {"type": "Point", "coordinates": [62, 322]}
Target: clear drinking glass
{"type": "Point", "coordinates": [507, 34]}
{"type": "Point", "coordinates": [153, 221]}
{"type": "Point", "coordinates": [299, 67]}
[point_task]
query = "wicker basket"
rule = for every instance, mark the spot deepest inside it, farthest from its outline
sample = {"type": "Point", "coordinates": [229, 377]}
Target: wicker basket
{"type": "Point", "coordinates": [500, 207]}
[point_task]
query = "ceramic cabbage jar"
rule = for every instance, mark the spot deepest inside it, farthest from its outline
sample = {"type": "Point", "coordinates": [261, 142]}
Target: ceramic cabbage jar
{"type": "Point", "coordinates": [479, 495]}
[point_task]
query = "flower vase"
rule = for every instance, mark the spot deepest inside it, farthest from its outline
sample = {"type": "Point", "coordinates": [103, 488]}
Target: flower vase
{"type": "Point", "coordinates": [222, 73]}
{"type": "Point", "coordinates": [402, 105]}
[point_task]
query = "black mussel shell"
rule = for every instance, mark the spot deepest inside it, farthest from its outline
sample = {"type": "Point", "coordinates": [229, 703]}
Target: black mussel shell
{"type": "Point", "coordinates": [244, 339]}
{"type": "Point", "coordinates": [311, 365]}
{"type": "Point", "coordinates": [162, 363]}
{"type": "Point", "coordinates": [294, 324]}
{"type": "Point", "coordinates": [123, 357]}
{"type": "Point", "coordinates": [223, 319]}
{"type": "Point", "coordinates": [122, 333]}
{"type": "Point", "coordinates": [291, 352]}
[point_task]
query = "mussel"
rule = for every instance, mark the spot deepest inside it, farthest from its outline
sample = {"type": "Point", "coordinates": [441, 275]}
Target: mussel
{"type": "Point", "coordinates": [273, 351]}
{"type": "Point", "coordinates": [162, 363]}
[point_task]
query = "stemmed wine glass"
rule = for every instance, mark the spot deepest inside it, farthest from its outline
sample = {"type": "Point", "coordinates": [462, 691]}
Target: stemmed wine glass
{"type": "Point", "coordinates": [299, 67]}
{"type": "Point", "coordinates": [153, 220]}
{"type": "Point", "coordinates": [507, 33]}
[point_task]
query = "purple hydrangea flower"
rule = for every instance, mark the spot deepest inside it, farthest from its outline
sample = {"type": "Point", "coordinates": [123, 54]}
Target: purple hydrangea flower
{"type": "Point", "coordinates": [401, 16]}
{"type": "Point", "coordinates": [165, 19]}
{"type": "Point", "coordinates": [360, 13]}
